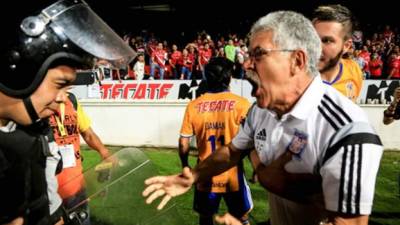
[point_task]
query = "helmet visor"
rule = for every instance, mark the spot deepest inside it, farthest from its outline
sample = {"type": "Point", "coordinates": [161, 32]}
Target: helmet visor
{"type": "Point", "coordinates": [88, 31]}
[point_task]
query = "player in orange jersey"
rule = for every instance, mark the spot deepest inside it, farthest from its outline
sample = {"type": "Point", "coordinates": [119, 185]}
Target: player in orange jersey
{"type": "Point", "coordinates": [214, 119]}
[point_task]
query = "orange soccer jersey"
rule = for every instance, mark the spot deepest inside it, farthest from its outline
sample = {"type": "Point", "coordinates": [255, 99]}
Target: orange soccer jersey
{"type": "Point", "coordinates": [214, 118]}
{"type": "Point", "coordinates": [349, 80]}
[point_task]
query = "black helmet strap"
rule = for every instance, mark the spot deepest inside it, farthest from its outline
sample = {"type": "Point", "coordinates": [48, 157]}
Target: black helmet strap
{"type": "Point", "coordinates": [30, 109]}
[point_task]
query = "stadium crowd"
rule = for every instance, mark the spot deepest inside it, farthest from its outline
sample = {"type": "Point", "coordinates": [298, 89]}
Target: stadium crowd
{"type": "Point", "coordinates": [377, 53]}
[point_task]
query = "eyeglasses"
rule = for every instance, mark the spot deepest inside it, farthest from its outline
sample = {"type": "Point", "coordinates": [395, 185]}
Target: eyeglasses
{"type": "Point", "coordinates": [257, 52]}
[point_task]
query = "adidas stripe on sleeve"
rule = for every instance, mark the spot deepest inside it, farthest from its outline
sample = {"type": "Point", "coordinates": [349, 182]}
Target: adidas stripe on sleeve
{"type": "Point", "coordinates": [349, 168]}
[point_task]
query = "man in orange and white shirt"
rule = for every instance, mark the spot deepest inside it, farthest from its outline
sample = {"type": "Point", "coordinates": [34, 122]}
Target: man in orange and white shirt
{"type": "Point", "coordinates": [68, 125]}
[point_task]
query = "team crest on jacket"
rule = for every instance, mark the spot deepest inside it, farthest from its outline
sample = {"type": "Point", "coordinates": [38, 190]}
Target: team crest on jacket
{"type": "Point", "coordinates": [298, 143]}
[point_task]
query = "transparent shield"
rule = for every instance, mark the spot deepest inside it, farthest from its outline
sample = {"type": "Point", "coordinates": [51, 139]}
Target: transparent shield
{"type": "Point", "coordinates": [114, 192]}
{"type": "Point", "coordinates": [88, 31]}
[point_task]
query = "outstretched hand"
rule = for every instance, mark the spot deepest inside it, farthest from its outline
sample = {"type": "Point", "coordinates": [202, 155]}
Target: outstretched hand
{"type": "Point", "coordinates": [227, 219]}
{"type": "Point", "coordinates": [167, 187]}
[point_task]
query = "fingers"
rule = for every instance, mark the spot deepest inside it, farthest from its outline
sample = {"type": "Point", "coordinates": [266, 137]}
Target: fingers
{"type": "Point", "coordinates": [167, 186]}
{"type": "Point", "coordinates": [154, 195]}
{"type": "Point", "coordinates": [227, 219]}
{"type": "Point", "coordinates": [219, 219]}
{"type": "Point", "coordinates": [154, 180]}
{"type": "Point", "coordinates": [151, 188]}
{"type": "Point", "coordinates": [156, 190]}
{"type": "Point", "coordinates": [164, 201]}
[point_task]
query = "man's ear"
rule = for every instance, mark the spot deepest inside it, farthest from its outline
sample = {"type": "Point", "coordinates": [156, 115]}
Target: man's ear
{"type": "Point", "coordinates": [298, 62]}
{"type": "Point", "coordinates": [348, 44]}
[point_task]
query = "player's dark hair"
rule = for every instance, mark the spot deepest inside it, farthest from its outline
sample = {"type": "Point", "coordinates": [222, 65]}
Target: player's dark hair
{"type": "Point", "coordinates": [218, 73]}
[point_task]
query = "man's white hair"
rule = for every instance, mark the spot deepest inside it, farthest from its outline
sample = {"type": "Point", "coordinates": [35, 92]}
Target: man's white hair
{"type": "Point", "coordinates": [292, 30]}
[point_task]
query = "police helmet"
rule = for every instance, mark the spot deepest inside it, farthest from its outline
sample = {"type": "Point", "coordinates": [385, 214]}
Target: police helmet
{"type": "Point", "coordinates": [66, 32]}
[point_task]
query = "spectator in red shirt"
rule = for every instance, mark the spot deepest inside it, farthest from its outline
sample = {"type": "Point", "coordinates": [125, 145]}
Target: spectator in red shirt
{"type": "Point", "coordinates": [394, 65]}
{"type": "Point", "coordinates": [187, 62]}
{"type": "Point", "coordinates": [366, 55]}
{"type": "Point", "coordinates": [204, 56]}
{"type": "Point", "coordinates": [193, 55]}
{"type": "Point", "coordinates": [375, 67]}
{"type": "Point", "coordinates": [158, 58]}
{"type": "Point", "coordinates": [173, 61]}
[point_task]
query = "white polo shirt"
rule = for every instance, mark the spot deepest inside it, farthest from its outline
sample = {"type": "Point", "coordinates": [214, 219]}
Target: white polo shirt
{"type": "Point", "coordinates": [332, 138]}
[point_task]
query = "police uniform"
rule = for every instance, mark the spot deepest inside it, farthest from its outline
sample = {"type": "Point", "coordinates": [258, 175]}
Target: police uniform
{"type": "Point", "coordinates": [16, 173]}
{"type": "Point", "coordinates": [214, 118]}
{"type": "Point", "coordinates": [43, 36]}
{"type": "Point", "coordinates": [330, 137]}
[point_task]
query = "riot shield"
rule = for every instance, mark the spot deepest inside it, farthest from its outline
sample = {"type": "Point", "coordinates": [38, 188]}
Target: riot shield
{"type": "Point", "coordinates": [114, 193]}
